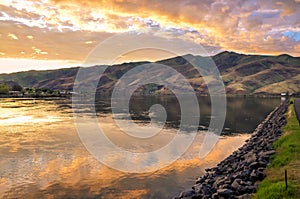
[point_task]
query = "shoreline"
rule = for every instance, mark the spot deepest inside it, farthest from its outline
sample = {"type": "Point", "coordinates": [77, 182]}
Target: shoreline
{"type": "Point", "coordinates": [238, 175]}
{"type": "Point", "coordinates": [286, 161]}
{"type": "Point", "coordinates": [35, 97]}
{"type": "Point", "coordinates": [142, 95]}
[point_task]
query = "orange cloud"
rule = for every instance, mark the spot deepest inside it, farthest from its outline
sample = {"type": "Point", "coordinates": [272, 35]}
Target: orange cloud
{"type": "Point", "coordinates": [60, 27]}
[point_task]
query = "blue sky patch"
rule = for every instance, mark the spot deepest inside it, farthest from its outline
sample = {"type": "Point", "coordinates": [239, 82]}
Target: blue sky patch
{"type": "Point", "coordinates": [293, 35]}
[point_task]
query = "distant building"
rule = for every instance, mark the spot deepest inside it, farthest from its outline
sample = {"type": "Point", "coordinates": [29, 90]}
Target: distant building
{"type": "Point", "coordinates": [15, 93]}
{"type": "Point", "coordinates": [73, 93]}
{"type": "Point", "coordinates": [283, 94]}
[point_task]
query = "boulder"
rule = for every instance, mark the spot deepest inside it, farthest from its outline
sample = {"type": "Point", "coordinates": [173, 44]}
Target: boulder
{"type": "Point", "coordinates": [226, 193]}
{"type": "Point", "coordinates": [188, 194]}
{"type": "Point", "coordinates": [236, 184]}
{"type": "Point", "coordinates": [257, 175]}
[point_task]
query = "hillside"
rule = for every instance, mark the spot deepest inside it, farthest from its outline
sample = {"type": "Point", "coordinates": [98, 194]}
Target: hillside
{"type": "Point", "coordinates": [243, 74]}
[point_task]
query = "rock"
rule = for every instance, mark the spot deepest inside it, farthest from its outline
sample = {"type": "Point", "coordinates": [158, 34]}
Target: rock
{"type": "Point", "coordinates": [245, 196]}
{"type": "Point", "coordinates": [219, 182]}
{"type": "Point", "coordinates": [245, 174]}
{"type": "Point", "coordinates": [200, 180]}
{"type": "Point", "coordinates": [268, 153]}
{"type": "Point", "coordinates": [251, 157]}
{"type": "Point", "coordinates": [261, 169]}
{"type": "Point", "coordinates": [257, 175]}
{"type": "Point", "coordinates": [226, 186]}
{"type": "Point", "coordinates": [236, 185]}
{"type": "Point", "coordinates": [225, 192]}
{"type": "Point", "coordinates": [215, 196]}
{"type": "Point", "coordinates": [208, 170]}
{"type": "Point", "coordinates": [250, 189]}
{"type": "Point", "coordinates": [206, 189]}
{"type": "Point", "coordinates": [236, 175]}
{"type": "Point", "coordinates": [188, 194]}
{"type": "Point", "coordinates": [262, 164]}
{"type": "Point", "coordinates": [197, 188]}
{"type": "Point", "coordinates": [254, 165]}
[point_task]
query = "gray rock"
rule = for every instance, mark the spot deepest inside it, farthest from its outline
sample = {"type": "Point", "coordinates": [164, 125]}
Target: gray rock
{"type": "Point", "coordinates": [251, 157]}
{"type": "Point", "coordinates": [206, 189]}
{"type": "Point", "coordinates": [268, 153]}
{"type": "Point", "coordinates": [254, 165]}
{"type": "Point", "coordinates": [225, 192]}
{"type": "Point", "coordinates": [262, 164]}
{"type": "Point", "coordinates": [219, 182]}
{"type": "Point", "coordinates": [257, 175]}
{"type": "Point", "coordinates": [188, 194]}
{"type": "Point", "coordinates": [200, 180]}
{"type": "Point", "coordinates": [226, 186]}
{"type": "Point", "coordinates": [245, 196]}
{"type": "Point", "coordinates": [236, 184]}
{"type": "Point", "coordinates": [215, 196]}
{"type": "Point", "coordinates": [250, 189]}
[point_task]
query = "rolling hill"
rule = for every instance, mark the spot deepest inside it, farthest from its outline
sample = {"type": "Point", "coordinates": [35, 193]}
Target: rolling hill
{"type": "Point", "coordinates": [241, 74]}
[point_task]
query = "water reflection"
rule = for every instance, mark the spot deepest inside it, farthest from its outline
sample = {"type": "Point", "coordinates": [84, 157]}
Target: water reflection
{"type": "Point", "coordinates": [243, 113]}
{"type": "Point", "coordinates": [41, 155]}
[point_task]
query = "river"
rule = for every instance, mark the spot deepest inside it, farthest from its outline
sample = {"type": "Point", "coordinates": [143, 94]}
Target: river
{"type": "Point", "coordinates": [42, 156]}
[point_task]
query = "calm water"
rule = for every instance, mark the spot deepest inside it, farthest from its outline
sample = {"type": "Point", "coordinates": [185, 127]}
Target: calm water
{"type": "Point", "coordinates": [41, 155]}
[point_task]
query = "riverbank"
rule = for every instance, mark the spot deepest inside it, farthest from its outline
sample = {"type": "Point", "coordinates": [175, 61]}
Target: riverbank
{"type": "Point", "coordinates": [36, 96]}
{"type": "Point", "coordinates": [287, 158]}
{"type": "Point", "coordinates": [239, 174]}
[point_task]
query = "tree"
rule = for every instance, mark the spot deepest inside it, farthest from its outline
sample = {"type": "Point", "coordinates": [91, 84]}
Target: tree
{"type": "Point", "coordinates": [17, 87]}
{"type": "Point", "coordinates": [4, 89]}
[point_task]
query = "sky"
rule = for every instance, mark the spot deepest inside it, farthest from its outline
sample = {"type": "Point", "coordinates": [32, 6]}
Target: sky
{"type": "Point", "coordinates": [47, 34]}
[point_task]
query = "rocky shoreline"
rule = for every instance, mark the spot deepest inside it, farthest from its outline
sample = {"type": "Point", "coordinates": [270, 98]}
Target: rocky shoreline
{"type": "Point", "coordinates": [238, 175]}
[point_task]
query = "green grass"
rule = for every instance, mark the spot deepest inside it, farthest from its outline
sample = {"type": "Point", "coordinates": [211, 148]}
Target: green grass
{"type": "Point", "coordinates": [273, 190]}
{"type": "Point", "coordinates": [286, 158]}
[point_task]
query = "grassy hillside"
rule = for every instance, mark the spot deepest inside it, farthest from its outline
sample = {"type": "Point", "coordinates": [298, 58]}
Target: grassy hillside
{"type": "Point", "coordinates": [41, 78]}
{"type": "Point", "coordinates": [243, 74]}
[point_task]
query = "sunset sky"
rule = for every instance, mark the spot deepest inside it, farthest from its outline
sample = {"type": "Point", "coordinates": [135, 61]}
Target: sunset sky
{"type": "Point", "coordinates": [43, 34]}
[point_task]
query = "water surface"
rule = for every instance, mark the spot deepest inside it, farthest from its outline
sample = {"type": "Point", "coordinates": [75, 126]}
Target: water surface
{"type": "Point", "coordinates": [41, 155]}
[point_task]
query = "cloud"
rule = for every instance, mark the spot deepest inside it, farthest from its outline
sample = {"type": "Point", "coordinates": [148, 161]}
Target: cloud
{"type": "Point", "coordinates": [63, 28]}
{"type": "Point", "coordinates": [67, 45]}
{"type": "Point", "coordinates": [222, 23]}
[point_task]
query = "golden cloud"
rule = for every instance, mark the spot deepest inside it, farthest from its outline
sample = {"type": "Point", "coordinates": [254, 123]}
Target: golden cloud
{"type": "Point", "coordinates": [62, 28]}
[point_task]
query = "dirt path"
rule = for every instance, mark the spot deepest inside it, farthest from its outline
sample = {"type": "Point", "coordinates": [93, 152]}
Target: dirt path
{"type": "Point", "coordinates": [297, 108]}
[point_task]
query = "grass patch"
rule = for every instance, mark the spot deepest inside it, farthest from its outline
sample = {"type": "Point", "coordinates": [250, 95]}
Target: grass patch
{"type": "Point", "coordinates": [286, 158]}
{"type": "Point", "coordinates": [271, 190]}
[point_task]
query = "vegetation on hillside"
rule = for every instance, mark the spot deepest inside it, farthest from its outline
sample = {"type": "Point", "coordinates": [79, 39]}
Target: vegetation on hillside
{"type": "Point", "coordinates": [4, 89]}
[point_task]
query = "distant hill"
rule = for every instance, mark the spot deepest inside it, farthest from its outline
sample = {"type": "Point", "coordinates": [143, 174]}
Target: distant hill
{"type": "Point", "coordinates": [242, 74]}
